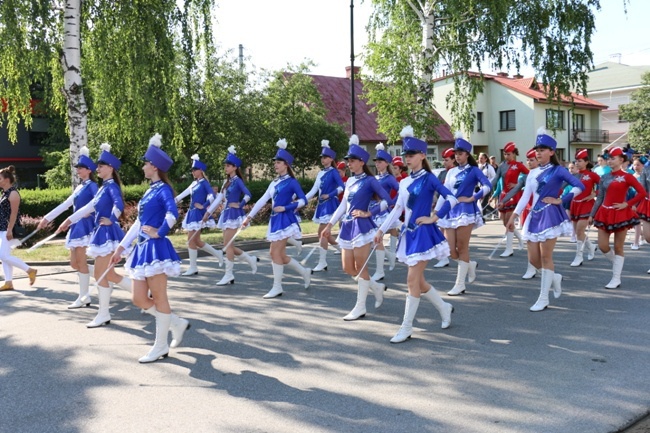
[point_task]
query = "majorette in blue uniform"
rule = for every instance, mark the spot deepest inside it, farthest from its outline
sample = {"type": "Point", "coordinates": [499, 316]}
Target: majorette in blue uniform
{"type": "Point", "coordinates": [390, 184]}
{"type": "Point", "coordinates": [462, 181]}
{"type": "Point", "coordinates": [547, 221]}
{"type": "Point", "coordinates": [80, 232]}
{"type": "Point", "coordinates": [201, 200]}
{"type": "Point", "coordinates": [154, 253]}
{"type": "Point", "coordinates": [233, 196]}
{"type": "Point", "coordinates": [356, 232]}
{"type": "Point", "coordinates": [419, 242]}
{"type": "Point", "coordinates": [328, 185]}
{"type": "Point", "coordinates": [283, 225]}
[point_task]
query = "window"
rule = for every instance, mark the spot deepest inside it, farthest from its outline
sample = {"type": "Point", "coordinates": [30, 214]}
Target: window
{"type": "Point", "coordinates": [479, 121]}
{"type": "Point", "coordinates": [507, 120]}
{"type": "Point", "coordinates": [560, 154]}
{"type": "Point", "coordinates": [578, 122]}
{"type": "Point", "coordinates": [554, 119]}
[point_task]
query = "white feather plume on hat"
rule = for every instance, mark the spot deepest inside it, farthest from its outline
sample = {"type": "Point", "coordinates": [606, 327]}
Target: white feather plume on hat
{"type": "Point", "coordinates": [232, 150]}
{"type": "Point", "coordinates": [380, 146]}
{"type": "Point", "coordinates": [84, 151]}
{"type": "Point", "coordinates": [325, 143]}
{"type": "Point", "coordinates": [195, 157]}
{"type": "Point", "coordinates": [105, 147]}
{"type": "Point", "coordinates": [156, 140]}
{"type": "Point", "coordinates": [407, 131]}
{"type": "Point", "coordinates": [458, 134]}
{"type": "Point", "coordinates": [282, 143]}
{"type": "Point", "coordinates": [354, 139]}
{"type": "Point", "coordinates": [542, 131]}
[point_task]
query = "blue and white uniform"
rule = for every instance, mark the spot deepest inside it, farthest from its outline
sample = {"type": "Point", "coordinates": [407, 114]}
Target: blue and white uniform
{"type": "Point", "coordinates": [202, 194]}
{"type": "Point", "coordinates": [282, 225]}
{"type": "Point", "coordinates": [547, 221]}
{"type": "Point", "coordinates": [153, 256]}
{"type": "Point", "coordinates": [235, 192]}
{"type": "Point", "coordinates": [356, 232]}
{"type": "Point", "coordinates": [80, 232]}
{"type": "Point", "coordinates": [389, 183]}
{"type": "Point", "coordinates": [108, 203]}
{"type": "Point", "coordinates": [462, 181]}
{"type": "Point", "coordinates": [425, 241]}
{"type": "Point", "coordinates": [328, 182]}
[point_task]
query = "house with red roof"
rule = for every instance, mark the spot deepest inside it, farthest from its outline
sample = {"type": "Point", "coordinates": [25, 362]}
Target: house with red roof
{"type": "Point", "coordinates": [336, 95]}
{"type": "Point", "coordinates": [513, 109]}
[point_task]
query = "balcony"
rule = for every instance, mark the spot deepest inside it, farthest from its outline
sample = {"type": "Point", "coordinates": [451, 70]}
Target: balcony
{"type": "Point", "coordinates": [589, 135]}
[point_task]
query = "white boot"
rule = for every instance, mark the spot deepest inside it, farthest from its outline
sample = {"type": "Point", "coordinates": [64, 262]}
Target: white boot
{"type": "Point", "coordinates": [359, 309]}
{"type": "Point", "coordinates": [517, 234]}
{"type": "Point", "coordinates": [591, 250]}
{"type": "Point", "coordinates": [126, 284]}
{"type": "Point", "coordinates": [406, 329]}
{"type": "Point", "coordinates": [557, 285]}
{"type": "Point", "coordinates": [577, 261]}
{"type": "Point", "coordinates": [617, 268]}
{"type": "Point", "coordinates": [378, 290]}
{"type": "Point", "coordinates": [217, 253]}
{"type": "Point", "coordinates": [609, 255]}
{"type": "Point", "coordinates": [542, 300]}
{"type": "Point", "coordinates": [459, 287]}
{"type": "Point", "coordinates": [471, 271]}
{"type": "Point", "coordinates": [228, 277]}
{"type": "Point", "coordinates": [305, 273]}
{"type": "Point", "coordinates": [442, 263]}
{"type": "Point", "coordinates": [392, 244]}
{"type": "Point", "coordinates": [178, 326]}
{"type": "Point", "coordinates": [508, 251]}
{"type": "Point", "coordinates": [379, 275]}
{"type": "Point", "coordinates": [103, 316]}
{"type": "Point", "coordinates": [444, 308]}
{"type": "Point", "coordinates": [322, 260]}
{"type": "Point", "coordinates": [276, 290]}
{"type": "Point", "coordinates": [296, 243]}
{"type": "Point", "coordinates": [531, 271]}
{"type": "Point", "coordinates": [160, 347]}
{"type": "Point", "coordinates": [192, 270]}
{"type": "Point", "coordinates": [251, 260]}
{"type": "Point", "coordinates": [337, 248]}
{"type": "Point", "coordinates": [83, 300]}
{"type": "Point", "coordinates": [392, 258]}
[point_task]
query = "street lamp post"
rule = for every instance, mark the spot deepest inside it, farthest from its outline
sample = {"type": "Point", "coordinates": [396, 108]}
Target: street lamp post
{"type": "Point", "coordinates": [352, 102]}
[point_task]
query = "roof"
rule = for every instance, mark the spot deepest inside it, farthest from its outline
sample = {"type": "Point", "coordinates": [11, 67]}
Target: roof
{"type": "Point", "coordinates": [335, 92]}
{"type": "Point", "coordinates": [531, 88]}
{"type": "Point", "coordinates": [611, 75]}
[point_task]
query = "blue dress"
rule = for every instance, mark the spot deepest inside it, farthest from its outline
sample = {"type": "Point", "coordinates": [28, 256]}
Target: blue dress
{"type": "Point", "coordinates": [81, 231]}
{"type": "Point", "coordinates": [420, 242]}
{"type": "Point", "coordinates": [202, 194]}
{"type": "Point", "coordinates": [153, 256]}
{"type": "Point", "coordinates": [389, 183]}
{"type": "Point", "coordinates": [547, 221]}
{"type": "Point", "coordinates": [462, 181]}
{"type": "Point", "coordinates": [328, 182]}
{"type": "Point", "coordinates": [108, 203]}
{"type": "Point", "coordinates": [233, 217]}
{"type": "Point", "coordinates": [285, 224]}
{"type": "Point", "coordinates": [356, 232]}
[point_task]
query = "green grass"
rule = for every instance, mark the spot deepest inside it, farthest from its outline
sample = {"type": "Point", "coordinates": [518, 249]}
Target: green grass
{"type": "Point", "coordinates": [56, 251]}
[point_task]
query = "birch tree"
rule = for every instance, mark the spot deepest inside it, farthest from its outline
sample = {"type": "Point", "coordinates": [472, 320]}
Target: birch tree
{"type": "Point", "coordinates": [410, 40]}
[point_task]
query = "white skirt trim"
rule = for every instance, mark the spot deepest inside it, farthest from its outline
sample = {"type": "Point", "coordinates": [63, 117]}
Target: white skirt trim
{"type": "Point", "coordinates": [564, 229]}
{"type": "Point", "coordinates": [293, 231]}
{"type": "Point", "coordinates": [357, 242]}
{"type": "Point", "coordinates": [169, 267]}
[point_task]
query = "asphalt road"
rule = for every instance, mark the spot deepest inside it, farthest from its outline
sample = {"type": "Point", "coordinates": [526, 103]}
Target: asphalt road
{"type": "Point", "coordinates": [292, 364]}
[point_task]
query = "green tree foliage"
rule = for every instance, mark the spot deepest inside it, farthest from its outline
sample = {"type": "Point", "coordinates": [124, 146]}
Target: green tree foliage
{"type": "Point", "coordinates": [637, 113]}
{"type": "Point", "coordinates": [411, 40]}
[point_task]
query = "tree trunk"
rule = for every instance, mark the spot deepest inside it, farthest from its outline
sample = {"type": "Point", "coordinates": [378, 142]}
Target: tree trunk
{"type": "Point", "coordinates": [73, 87]}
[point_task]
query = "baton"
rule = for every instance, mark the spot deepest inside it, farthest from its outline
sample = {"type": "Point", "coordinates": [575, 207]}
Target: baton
{"type": "Point", "coordinates": [194, 234]}
{"type": "Point", "coordinates": [496, 248]}
{"type": "Point", "coordinates": [41, 242]}
{"type": "Point", "coordinates": [313, 249]}
{"type": "Point", "coordinates": [356, 277]}
{"type": "Point", "coordinates": [232, 239]}
{"type": "Point", "coordinates": [24, 239]}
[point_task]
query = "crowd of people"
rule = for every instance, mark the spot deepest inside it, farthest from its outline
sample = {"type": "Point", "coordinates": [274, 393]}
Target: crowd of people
{"type": "Point", "coordinates": [426, 217]}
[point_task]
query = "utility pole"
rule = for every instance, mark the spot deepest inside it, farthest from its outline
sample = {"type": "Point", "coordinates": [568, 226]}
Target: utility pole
{"type": "Point", "coordinates": [353, 99]}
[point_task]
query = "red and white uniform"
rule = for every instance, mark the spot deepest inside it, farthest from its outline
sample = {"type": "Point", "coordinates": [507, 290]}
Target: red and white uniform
{"type": "Point", "coordinates": [613, 189]}
{"type": "Point", "coordinates": [509, 171]}
{"type": "Point", "coordinates": [581, 206]}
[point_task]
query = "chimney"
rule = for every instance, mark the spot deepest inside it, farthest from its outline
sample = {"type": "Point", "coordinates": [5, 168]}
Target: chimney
{"type": "Point", "coordinates": [348, 75]}
{"type": "Point", "coordinates": [502, 74]}
{"type": "Point", "coordinates": [517, 76]}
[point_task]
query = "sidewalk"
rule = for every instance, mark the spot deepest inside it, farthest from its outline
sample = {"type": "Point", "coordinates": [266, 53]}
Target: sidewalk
{"type": "Point", "coordinates": [292, 365]}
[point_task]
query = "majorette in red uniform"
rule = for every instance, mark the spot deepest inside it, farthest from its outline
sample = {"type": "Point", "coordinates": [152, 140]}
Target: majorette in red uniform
{"type": "Point", "coordinates": [612, 214]}
{"type": "Point", "coordinates": [581, 206]}
{"type": "Point", "coordinates": [509, 172]}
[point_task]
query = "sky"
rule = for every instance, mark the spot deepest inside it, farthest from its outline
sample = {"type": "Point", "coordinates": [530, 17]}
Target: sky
{"type": "Point", "coordinates": [275, 33]}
